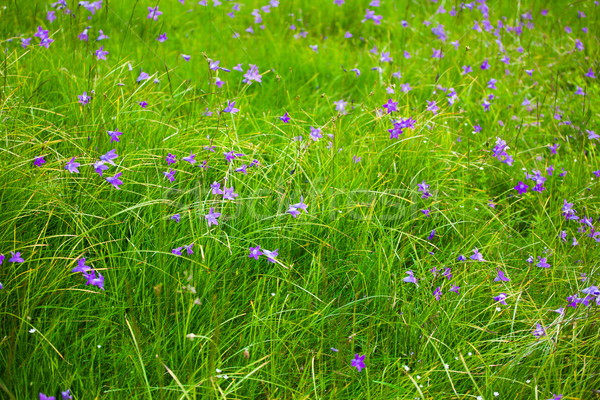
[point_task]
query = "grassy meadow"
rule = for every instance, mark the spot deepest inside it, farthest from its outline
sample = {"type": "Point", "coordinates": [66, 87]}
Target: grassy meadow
{"type": "Point", "coordinates": [299, 199]}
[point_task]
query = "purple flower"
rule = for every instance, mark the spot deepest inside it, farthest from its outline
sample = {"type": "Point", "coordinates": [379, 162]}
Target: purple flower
{"type": "Point", "coordinates": [114, 135]}
{"type": "Point", "coordinates": [41, 33]}
{"type": "Point", "coordinates": [215, 186]}
{"type": "Point", "coordinates": [143, 76]}
{"type": "Point", "coordinates": [99, 167]}
{"type": "Point", "coordinates": [242, 169]}
{"type": "Point", "coordinates": [101, 35]}
{"type": "Point", "coordinates": [230, 107]}
{"type": "Point", "coordinates": [589, 74]}
{"type": "Point", "coordinates": [437, 53]}
{"type": "Point", "coordinates": [27, 41]}
{"type": "Point", "coordinates": [410, 278]}
{"type": "Point", "coordinates": [228, 194]}
{"type": "Point", "coordinates": [431, 106]}
{"type": "Point", "coordinates": [93, 280]}
{"type": "Point", "coordinates": [72, 166]}
{"type": "Point", "coordinates": [170, 159]}
{"type": "Point", "coordinates": [538, 332]}
{"type": "Point", "coordinates": [315, 134]}
{"type": "Point", "coordinates": [83, 98]}
{"type": "Point", "coordinates": [391, 106]}
{"type": "Point", "coordinates": [109, 157]}
{"type": "Point", "coordinates": [477, 255]}
{"type": "Point", "coordinates": [81, 267]}
{"type": "Point", "coordinates": [51, 16]}
{"type": "Point", "coordinates": [16, 257]}
{"type": "Point", "coordinates": [271, 255]}
{"type": "Point", "coordinates": [44, 397]}
{"type": "Point", "coordinates": [186, 57]}
{"type": "Point", "coordinates": [114, 180]}
{"type": "Point", "coordinates": [385, 57]}
{"type": "Point", "coordinates": [191, 158]}
{"type": "Point", "coordinates": [542, 263]}
{"type": "Point", "coordinates": [358, 362]}
{"type": "Point", "coordinates": [424, 188]}
{"type": "Point", "coordinates": [255, 252]}
{"type": "Point", "coordinates": [153, 13]}
{"type": "Point", "coordinates": [557, 397]}
{"type": "Point", "coordinates": [500, 276]}
{"type": "Point", "coordinates": [162, 38]}
{"type": "Point", "coordinates": [461, 258]}
{"type": "Point", "coordinates": [485, 64]}
{"type": "Point", "coordinates": [431, 235]}
{"type": "Point", "coordinates": [66, 395]}
{"type": "Point", "coordinates": [580, 91]}
{"type": "Point", "coordinates": [447, 273]}
{"type": "Point", "coordinates": [84, 35]}
{"type": "Point", "coordinates": [437, 294]}
{"type": "Point", "coordinates": [521, 188]}
{"type": "Point", "coordinates": [143, 104]}
{"type": "Point", "coordinates": [252, 75]}
{"type": "Point", "coordinates": [467, 69]}
{"type": "Point", "coordinates": [211, 217]}
{"type": "Point", "coordinates": [455, 289]}
{"type": "Point", "coordinates": [285, 118]}
{"type": "Point", "coordinates": [177, 251]}
{"type": "Point", "coordinates": [188, 249]}
{"type": "Point", "coordinates": [39, 161]}
{"type": "Point", "coordinates": [101, 54]}
{"type": "Point", "coordinates": [176, 217]}
{"type": "Point", "coordinates": [170, 175]}
{"type": "Point", "coordinates": [500, 298]}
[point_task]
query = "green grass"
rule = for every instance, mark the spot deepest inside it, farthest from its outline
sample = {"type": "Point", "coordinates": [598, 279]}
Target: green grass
{"type": "Point", "coordinates": [218, 324]}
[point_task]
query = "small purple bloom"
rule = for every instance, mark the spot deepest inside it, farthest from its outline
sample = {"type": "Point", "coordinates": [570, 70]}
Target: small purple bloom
{"type": "Point", "coordinates": [212, 216]}
{"type": "Point", "coordinates": [114, 135]}
{"type": "Point", "coordinates": [477, 255]}
{"type": "Point", "coordinates": [285, 118]}
{"type": "Point", "coordinates": [542, 263]}
{"type": "Point", "coordinates": [358, 362]}
{"type": "Point", "coordinates": [500, 298]}
{"type": "Point", "coordinates": [153, 13]}
{"type": "Point", "coordinates": [410, 278]}
{"type": "Point", "coordinates": [170, 175]}
{"type": "Point", "coordinates": [114, 180]}
{"type": "Point", "coordinates": [538, 332]}
{"type": "Point", "coordinates": [191, 158]}
{"type": "Point", "coordinates": [72, 166]}
{"type": "Point", "coordinates": [39, 161]}
{"type": "Point", "coordinates": [500, 276]}
{"type": "Point", "coordinates": [437, 294]}
{"type": "Point", "coordinates": [255, 252]}
{"type": "Point", "coordinates": [271, 255]}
